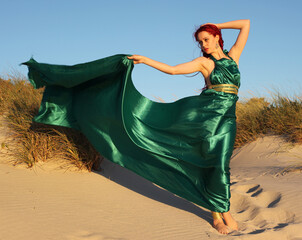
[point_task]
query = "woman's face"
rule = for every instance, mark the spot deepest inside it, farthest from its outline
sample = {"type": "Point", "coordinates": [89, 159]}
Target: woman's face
{"type": "Point", "coordinates": [207, 42]}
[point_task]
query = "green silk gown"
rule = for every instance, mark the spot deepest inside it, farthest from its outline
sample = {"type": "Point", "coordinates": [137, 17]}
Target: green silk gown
{"type": "Point", "coordinates": [184, 146]}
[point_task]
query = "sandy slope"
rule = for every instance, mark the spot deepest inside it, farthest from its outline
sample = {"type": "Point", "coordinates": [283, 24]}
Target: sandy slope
{"type": "Point", "coordinates": [267, 204]}
{"type": "Point", "coordinates": [47, 203]}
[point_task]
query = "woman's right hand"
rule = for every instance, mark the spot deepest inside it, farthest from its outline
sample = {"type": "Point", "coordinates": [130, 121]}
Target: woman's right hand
{"type": "Point", "coordinates": [137, 59]}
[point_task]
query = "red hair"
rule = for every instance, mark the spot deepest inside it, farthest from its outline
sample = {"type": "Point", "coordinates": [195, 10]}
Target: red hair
{"type": "Point", "coordinates": [211, 29]}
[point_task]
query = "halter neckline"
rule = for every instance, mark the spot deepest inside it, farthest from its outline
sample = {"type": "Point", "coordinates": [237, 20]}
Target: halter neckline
{"type": "Point", "coordinates": [225, 53]}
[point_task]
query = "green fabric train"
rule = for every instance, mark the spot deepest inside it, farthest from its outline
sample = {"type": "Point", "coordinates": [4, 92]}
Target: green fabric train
{"type": "Point", "coordinates": [184, 146]}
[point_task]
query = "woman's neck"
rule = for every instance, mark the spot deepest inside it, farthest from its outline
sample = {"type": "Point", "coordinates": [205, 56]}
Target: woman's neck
{"type": "Point", "coordinates": [218, 54]}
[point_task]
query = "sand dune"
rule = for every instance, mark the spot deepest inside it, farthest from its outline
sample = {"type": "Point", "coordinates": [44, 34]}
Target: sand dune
{"type": "Point", "coordinates": [266, 200]}
{"type": "Point", "coordinates": [48, 203]}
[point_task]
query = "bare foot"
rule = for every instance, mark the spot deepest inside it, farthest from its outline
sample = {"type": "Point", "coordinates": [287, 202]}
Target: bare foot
{"type": "Point", "coordinates": [230, 221]}
{"type": "Point", "coordinates": [219, 225]}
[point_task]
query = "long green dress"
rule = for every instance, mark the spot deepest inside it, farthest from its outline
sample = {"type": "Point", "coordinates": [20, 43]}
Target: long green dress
{"type": "Point", "coordinates": [184, 146]}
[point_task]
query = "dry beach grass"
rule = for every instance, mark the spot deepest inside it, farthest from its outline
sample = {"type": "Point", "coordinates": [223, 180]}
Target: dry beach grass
{"type": "Point", "coordinates": [281, 116]}
{"type": "Point", "coordinates": [19, 103]}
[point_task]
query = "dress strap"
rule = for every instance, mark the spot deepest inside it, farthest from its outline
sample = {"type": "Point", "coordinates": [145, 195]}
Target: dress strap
{"type": "Point", "coordinates": [214, 59]}
{"type": "Point", "coordinates": [226, 52]}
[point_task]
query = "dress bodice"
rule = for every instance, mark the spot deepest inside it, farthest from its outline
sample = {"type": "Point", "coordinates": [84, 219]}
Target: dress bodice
{"type": "Point", "coordinates": [225, 71]}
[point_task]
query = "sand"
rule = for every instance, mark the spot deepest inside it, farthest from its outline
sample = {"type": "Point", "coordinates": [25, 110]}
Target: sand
{"type": "Point", "coordinates": [46, 202]}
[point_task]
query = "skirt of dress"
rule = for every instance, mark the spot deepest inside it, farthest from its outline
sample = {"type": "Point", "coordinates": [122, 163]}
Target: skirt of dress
{"type": "Point", "coordinates": [184, 146]}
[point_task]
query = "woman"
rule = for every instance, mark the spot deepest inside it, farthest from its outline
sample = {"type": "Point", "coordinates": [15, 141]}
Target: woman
{"type": "Point", "coordinates": [210, 40]}
{"type": "Point", "coordinates": [184, 146]}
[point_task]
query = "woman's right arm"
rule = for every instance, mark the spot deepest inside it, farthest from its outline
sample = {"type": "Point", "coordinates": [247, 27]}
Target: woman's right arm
{"type": "Point", "coordinates": [197, 65]}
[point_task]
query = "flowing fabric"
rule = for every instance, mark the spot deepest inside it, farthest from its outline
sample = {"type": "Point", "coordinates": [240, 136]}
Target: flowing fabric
{"type": "Point", "coordinates": [184, 146]}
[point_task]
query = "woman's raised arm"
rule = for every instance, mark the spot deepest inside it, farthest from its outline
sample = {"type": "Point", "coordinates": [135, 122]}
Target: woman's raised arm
{"type": "Point", "coordinates": [244, 27]}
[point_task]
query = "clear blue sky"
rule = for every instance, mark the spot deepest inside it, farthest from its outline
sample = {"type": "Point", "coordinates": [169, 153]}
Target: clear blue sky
{"type": "Point", "coordinates": [71, 32]}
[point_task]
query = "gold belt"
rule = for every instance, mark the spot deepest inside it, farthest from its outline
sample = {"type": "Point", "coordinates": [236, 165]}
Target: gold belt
{"type": "Point", "coordinates": [227, 88]}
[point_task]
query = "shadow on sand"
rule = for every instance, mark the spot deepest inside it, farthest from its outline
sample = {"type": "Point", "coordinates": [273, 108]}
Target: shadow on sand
{"type": "Point", "coordinates": [136, 183]}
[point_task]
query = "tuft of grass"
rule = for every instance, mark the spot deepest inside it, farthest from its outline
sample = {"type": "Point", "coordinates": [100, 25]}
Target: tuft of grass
{"type": "Point", "coordinates": [281, 116]}
{"type": "Point", "coordinates": [284, 116]}
{"type": "Point", "coordinates": [19, 103]}
{"type": "Point", "coordinates": [249, 120]}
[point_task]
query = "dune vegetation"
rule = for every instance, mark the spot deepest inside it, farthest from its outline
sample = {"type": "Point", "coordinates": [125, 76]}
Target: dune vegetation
{"type": "Point", "coordinates": [280, 116]}
{"type": "Point", "coordinates": [19, 103]}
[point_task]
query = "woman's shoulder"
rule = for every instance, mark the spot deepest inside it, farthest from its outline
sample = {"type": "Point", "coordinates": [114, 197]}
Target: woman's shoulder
{"type": "Point", "coordinates": [202, 58]}
{"type": "Point", "coordinates": [205, 61]}
{"type": "Point", "coordinates": [207, 65]}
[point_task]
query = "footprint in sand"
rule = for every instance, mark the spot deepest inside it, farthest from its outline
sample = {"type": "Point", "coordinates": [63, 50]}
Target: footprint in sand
{"type": "Point", "coordinates": [87, 235]}
{"type": "Point", "coordinates": [257, 210]}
